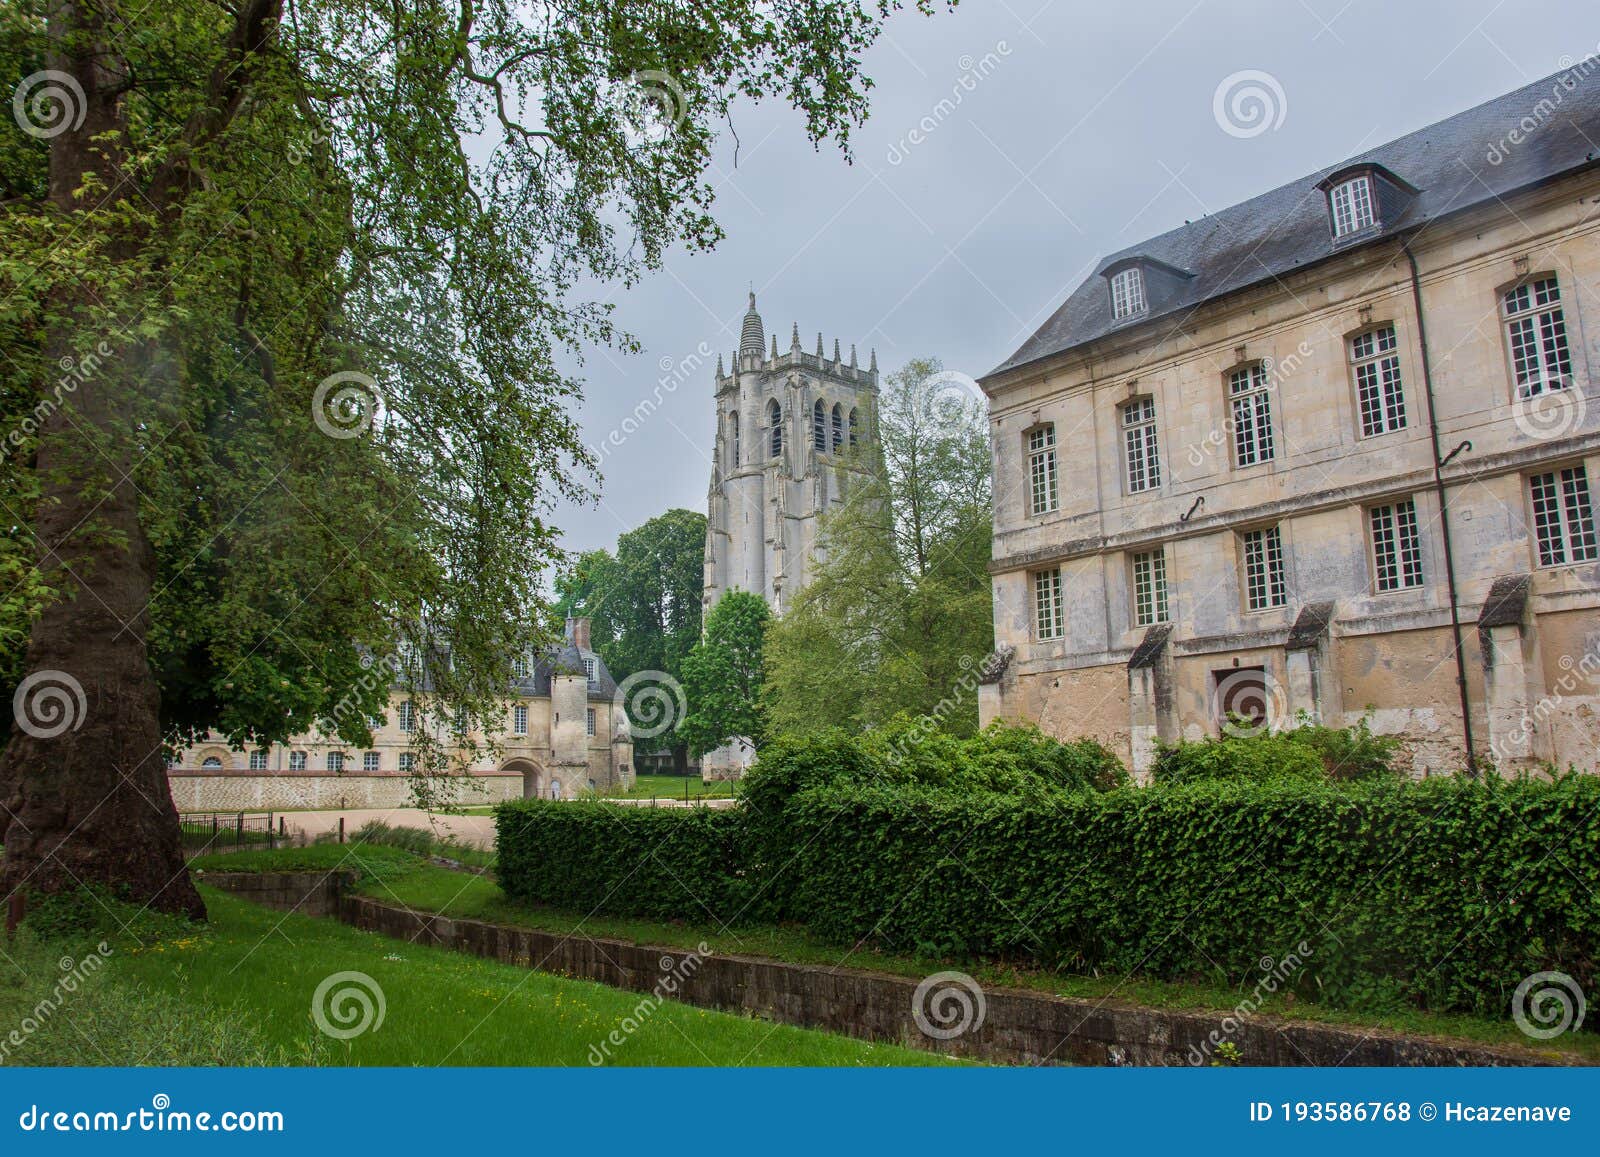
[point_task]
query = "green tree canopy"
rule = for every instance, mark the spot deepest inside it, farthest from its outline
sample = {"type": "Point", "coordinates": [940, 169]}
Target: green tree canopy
{"type": "Point", "coordinates": [644, 609]}
{"type": "Point", "coordinates": [723, 676]}
{"type": "Point", "coordinates": [897, 617]}
{"type": "Point", "coordinates": [282, 288]}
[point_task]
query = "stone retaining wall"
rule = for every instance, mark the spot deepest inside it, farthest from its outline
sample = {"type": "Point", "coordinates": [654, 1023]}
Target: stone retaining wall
{"type": "Point", "coordinates": [279, 791]}
{"type": "Point", "coordinates": [1017, 1027]}
{"type": "Point", "coordinates": [309, 893]}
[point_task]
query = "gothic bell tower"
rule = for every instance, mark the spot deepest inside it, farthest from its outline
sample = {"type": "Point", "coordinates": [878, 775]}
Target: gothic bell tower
{"type": "Point", "coordinates": [789, 430]}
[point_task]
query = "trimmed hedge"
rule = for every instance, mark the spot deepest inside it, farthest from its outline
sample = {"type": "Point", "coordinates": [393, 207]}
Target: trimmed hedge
{"type": "Point", "coordinates": [1443, 893]}
{"type": "Point", "coordinates": [661, 863]}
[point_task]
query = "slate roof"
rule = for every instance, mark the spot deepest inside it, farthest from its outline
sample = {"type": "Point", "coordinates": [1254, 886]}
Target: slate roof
{"type": "Point", "coordinates": [565, 657]}
{"type": "Point", "coordinates": [1507, 602]}
{"type": "Point", "coordinates": [1268, 236]}
{"type": "Point", "coordinates": [1310, 626]}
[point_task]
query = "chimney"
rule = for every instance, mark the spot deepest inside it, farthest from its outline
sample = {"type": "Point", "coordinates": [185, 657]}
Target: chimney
{"type": "Point", "coordinates": [578, 631]}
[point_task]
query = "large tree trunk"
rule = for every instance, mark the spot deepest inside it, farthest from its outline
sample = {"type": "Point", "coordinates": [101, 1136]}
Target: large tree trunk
{"type": "Point", "coordinates": [83, 778]}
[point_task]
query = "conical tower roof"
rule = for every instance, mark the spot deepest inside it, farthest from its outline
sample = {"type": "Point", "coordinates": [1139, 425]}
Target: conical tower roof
{"type": "Point", "coordinates": [754, 335]}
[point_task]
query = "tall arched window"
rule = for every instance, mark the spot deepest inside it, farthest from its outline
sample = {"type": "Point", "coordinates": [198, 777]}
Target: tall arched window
{"type": "Point", "coordinates": [733, 437]}
{"type": "Point", "coordinates": [819, 425]}
{"type": "Point", "coordinates": [855, 430]}
{"type": "Point", "coordinates": [838, 427]}
{"type": "Point", "coordinates": [774, 428]}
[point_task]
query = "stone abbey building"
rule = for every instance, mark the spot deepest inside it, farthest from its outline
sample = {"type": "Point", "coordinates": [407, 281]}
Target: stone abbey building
{"type": "Point", "coordinates": [564, 731]}
{"type": "Point", "coordinates": [1325, 454]}
{"type": "Point", "coordinates": [785, 425]}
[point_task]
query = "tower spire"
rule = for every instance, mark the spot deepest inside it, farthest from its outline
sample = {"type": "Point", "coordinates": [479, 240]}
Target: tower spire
{"type": "Point", "coordinates": [720, 374]}
{"type": "Point", "coordinates": [835, 351]}
{"type": "Point", "coordinates": [794, 338]}
{"type": "Point", "coordinates": [853, 356]}
{"type": "Point", "coordinates": [774, 347]}
{"type": "Point", "coordinates": [819, 344]}
{"type": "Point", "coordinates": [752, 336]}
{"type": "Point", "coordinates": [874, 364]}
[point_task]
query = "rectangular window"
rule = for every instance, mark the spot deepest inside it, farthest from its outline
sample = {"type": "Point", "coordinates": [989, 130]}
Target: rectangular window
{"type": "Point", "coordinates": [588, 722]}
{"type": "Point", "coordinates": [1149, 588]}
{"type": "Point", "coordinates": [408, 717]}
{"type": "Point", "coordinates": [1352, 207]}
{"type": "Point", "coordinates": [1375, 359]}
{"type": "Point", "coordinates": [1396, 546]}
{"type": "Point", "coordinates": [1047, 617]}
{"type": "Point", "coordinates": [258, 761]}
{"type": "Point", "coordinates": [335, 761]}
{"type": "Point", "coordinates": [1536, 330]}
{"type": "Point", "coordinates": [519, 667]}
{"type": "Point", "coordinates": [407, 761]}
{"type": "Point", "coordinates": [519, 720]}
{"type": "Point", "coordinates": [1042, 470]}
{"type": "Point", "coordinates": [1139, 441]}
{"type": "Point", "coordinates": [297, 761]}
{"type": "Point", "coordinates": [370, 761]}
{"type": "Point", "coordinates": [1263, 569]}
{"type": "Point", "coordinates": [1251, 402]}
{"type": "Point", "coordinates": [591, 670]}
{"type": "Point", "coordinates": [1127, 293]}
{"type": "Point", "coordinates": [1563, 517]}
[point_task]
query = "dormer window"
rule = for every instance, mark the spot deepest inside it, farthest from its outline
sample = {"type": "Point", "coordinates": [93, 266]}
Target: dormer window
{"type": "Point", "coordinates": [1352, 205]}
{"type": "Point", "coordinates": [1127, 293]}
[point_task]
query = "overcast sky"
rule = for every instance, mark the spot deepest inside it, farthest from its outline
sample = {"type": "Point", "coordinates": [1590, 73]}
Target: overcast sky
{"type": "Point", "coordinates": [1077, 129]}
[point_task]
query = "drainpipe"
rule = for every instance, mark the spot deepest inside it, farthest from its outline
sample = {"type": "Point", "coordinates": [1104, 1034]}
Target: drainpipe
{"type": "Point", "coordinates": [1444, 511]}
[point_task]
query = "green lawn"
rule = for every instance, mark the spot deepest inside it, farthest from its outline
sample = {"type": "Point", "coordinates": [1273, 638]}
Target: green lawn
{"type": "Point", "coordinates": [253, 971]}
{"type": "Point", "coordinates": [673, 787]}
{"type": "Point", "coordinates": [432, 889]}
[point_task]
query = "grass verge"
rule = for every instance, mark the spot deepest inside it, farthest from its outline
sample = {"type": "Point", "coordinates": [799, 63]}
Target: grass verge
{"type": "Point", "coordinates": [241, 990]}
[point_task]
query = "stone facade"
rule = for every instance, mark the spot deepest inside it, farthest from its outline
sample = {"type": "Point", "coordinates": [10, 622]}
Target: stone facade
{"type": "Point", "coordinates": [1151, 472]}
{"type": "Point", "coordinates": [564, 732]}
{"type": "Point", "coordinates": [785, 426]}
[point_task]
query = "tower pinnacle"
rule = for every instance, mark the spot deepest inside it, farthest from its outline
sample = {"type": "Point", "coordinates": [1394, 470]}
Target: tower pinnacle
{"type": "Point", "coordinates": [753, 336]}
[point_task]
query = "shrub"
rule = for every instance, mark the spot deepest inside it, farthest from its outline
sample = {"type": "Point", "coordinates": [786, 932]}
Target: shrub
{"type": "Point", "coordinates": [1262, 758]}
{"type": "Point", "coordinates": [1443, 893]}
{"type": "Point", "coordinates": [662, 863]}
{"type": "Point", "coordinates": [1005, 757]}
{"type": "Point", "coordinates": [1308, 752]}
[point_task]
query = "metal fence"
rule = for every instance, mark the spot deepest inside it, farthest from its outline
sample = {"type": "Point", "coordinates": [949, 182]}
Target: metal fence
{"type": "Point", "coordinates": [227, 831]}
